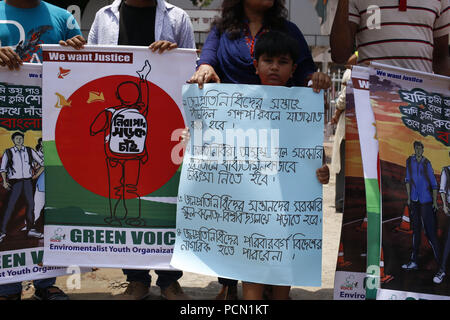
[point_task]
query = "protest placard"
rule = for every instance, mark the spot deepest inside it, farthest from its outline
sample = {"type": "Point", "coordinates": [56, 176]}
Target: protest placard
{"type": "Point", "coordinates": [112, 115]}
{"type": "Point", "coordinates": [249, 204]}
{"type": "Point", "coordinates": [22, 193]}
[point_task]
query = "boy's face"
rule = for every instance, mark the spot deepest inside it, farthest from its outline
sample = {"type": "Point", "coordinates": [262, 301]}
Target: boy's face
{"type": "Point", "coordinates": [274, 71]}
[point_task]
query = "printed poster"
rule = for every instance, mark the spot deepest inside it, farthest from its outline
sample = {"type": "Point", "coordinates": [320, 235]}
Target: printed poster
{"type": "Point", "coordinates": [249, 203]}
{"type": "Point", "coordinates": [412, 112]}
{"type": "Point", "coordinates": [112, 154]}
{"type": "Point", "coordinates": [22, 192]}
{"type": "Point", "coordinates": [351, 265]}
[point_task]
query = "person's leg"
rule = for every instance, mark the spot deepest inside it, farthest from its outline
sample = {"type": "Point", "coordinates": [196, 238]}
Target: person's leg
{"type": "Point", "coordinates": [416, 221]}
{"type": "Point", "coordinates": [440, 275]}
{"type": "Point", "coordinates": [16, 190]}
{"type": "Point", "coordinates": [281, 292]}
{"type": "Point", "coordinates": [45, 289]}
{"type": "Point", "coordinates": [29, 199]}
{"type": "Point", "coordinates": [227, 282]}
{"type": "Point", "coordinates": [167, 277]}
{"type": "Point", "coordinates": [138, 284]}
{"type": "Point", "coordinates": [169, 285]}
{"type": "Point", "coordinates": [142, 276]}
{"type": "Point", "coordinates": [430, 227]}
{"type": "Point", "coordinates": [229, 289]}
{"type": "Point", "coordinates": [44, 283]}
{"type": "Point", "coordinates": [446, 252]}
{"type": "Point", "coordinates": [252, 291]}
{"type": "Point", "coordinates": [11, 291]}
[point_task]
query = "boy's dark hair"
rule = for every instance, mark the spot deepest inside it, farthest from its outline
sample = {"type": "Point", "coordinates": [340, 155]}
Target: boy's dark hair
{"type": "Point", "coordinates": [276, 43]}
{"type": "Point", "coordinates": [15, 134]}
{"type": "Point", "coordinates": [418, 144]}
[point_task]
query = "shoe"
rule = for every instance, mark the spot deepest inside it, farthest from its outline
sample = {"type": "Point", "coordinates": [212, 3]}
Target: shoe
{"type": "Point", "coordinates": [2, 236]}
{"type": "Point", "coordinates": [15, 296]}
{"type": "Point", "coordinates": [410, 266]}
{"type": "Point", "coordinates": [439, 277]}
{"type": "Point", "coordinates": [136, 290]}
{"type": "Point", "coordinates": [34, 234]}
{"type": "Point", "coordinates": [227, 293]}
{"type": "Point", "coordinates": [50, 293]}
{"type": "Point", "coordinates": [174, 292]}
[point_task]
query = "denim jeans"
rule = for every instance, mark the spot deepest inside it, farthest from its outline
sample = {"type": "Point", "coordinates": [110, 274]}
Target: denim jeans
{"type": "Point", "coordinates": [14, 288]}
{"type": "Point", "coordinates": [165, 277]}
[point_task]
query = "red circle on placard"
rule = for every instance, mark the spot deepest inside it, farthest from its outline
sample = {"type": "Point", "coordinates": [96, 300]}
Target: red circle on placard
{"type": "Point", "coordinates": [83, 155]}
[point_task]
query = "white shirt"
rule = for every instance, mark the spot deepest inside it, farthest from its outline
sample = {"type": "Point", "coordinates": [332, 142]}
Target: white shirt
{"type": "Point", "coordinates": [22, 168]}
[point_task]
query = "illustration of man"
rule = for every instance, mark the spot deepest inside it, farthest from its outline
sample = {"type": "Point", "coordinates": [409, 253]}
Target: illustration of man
{"type": "Point", "coordinates": [16, 170]}
{"type": "Point", "coordinates": [444, 191]}
{"type": "Point", "coordinates": [421, 188]}
{"type": "Point", "coordinates": [125, 129]}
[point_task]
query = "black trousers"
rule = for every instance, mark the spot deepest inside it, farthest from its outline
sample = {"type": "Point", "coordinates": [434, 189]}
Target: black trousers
{"type": "Point", "coordinates": [423, 215]}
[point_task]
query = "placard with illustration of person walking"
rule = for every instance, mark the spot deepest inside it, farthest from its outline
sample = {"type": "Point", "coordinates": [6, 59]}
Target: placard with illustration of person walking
{"type": "Point", "coordinates": [22, 193]}
{"type": "Point", "coordinates": [112, 154]}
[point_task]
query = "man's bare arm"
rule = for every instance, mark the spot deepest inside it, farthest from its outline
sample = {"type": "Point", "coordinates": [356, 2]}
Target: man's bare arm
{"type": "Point", "coordinates": [440, 56]}
{"type": "Point", "coordinates": [342, 37]}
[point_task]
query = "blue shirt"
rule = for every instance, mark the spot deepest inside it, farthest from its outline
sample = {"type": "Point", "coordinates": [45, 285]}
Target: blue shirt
{"type": "Point", "coordinates": [233, 62]}
{"type": "Point", "coordinates": [26, 29]}
{"type": "Point", "coordinates": [421, 178]}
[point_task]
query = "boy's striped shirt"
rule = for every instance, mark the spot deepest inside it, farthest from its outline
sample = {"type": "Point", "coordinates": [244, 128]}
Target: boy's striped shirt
{"type": "Point", "coordinates": [405, 37]}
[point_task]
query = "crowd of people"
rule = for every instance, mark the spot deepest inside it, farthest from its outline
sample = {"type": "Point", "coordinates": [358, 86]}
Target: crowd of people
{"type": "Point", "coordinates": [252, 42]}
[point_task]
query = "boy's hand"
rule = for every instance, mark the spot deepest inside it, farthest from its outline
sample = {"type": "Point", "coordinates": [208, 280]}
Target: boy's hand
{"type": "Point", "coordinates": [9, 58]}
{"type": "Point", "coordinates": [162, 45]}
{"type": "Point", "coordinates": [320, 81]}
{"type": "Point", "coordinates": [323, 174]}
{"type": "Point", "coordinates": [76, 42]}
{"type": "Point", "coordinates": [204, 74]}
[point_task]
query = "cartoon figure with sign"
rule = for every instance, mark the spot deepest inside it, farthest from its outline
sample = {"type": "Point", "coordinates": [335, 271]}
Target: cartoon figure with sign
{"type": "Point", "coordinates": [125, 129]}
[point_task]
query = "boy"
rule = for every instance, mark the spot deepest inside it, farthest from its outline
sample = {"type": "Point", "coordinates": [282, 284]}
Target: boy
{"type": "Point", "coordinates": [275, 53]}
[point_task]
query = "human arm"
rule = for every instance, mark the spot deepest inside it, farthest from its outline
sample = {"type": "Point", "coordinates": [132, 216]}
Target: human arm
{"type": "Point", "coordinates": [320, 81]}
{"type": "Point", "coordinates": [342, 36]}
{"type": "Point", "coordinates": [185, 33]}
{"type": "Point", "coordinates": [162, 46]}
{"type": "Point", "coordinates": [408, 193]}
{"type": "Point", "coordinates": [9, 58]}
{"type": "Point", "coordinates": [38, 173]}
{"type": "Point", "coordinates": [440, 56]}
{"type": "Point", "coordinates": [323, 174]}
{"type": "Point", "coordinates": [435, 205]}
{"type": "Point", "coordinates": [443, 191]}
{"type": "Point", "coordinates": [444, 201]}
{"type": "Point", "coordinates": [93, 31]}
{"type": "Point", "coordinates": [433, 184]}
{"type": "Point", "coordinates": [100, 123]}
{"type": "Point", "coordinates": [5, 183]}
{"type": "Point", "coordinates": [208, 61]}
{"type": "Point", "coordinates": [76, 42]}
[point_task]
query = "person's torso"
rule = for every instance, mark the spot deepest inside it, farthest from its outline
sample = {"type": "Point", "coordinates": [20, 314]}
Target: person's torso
{"type": "Point", "coordinates": [26, 29]}
{"type": "Point", "coordinates": [421, 189]}
{"type": "Point", "coordinates": [403, 38]}
{"type": "Point", "coordinates": [136, 25]}
{"type": "Point", "coordinates": [20, 163]}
